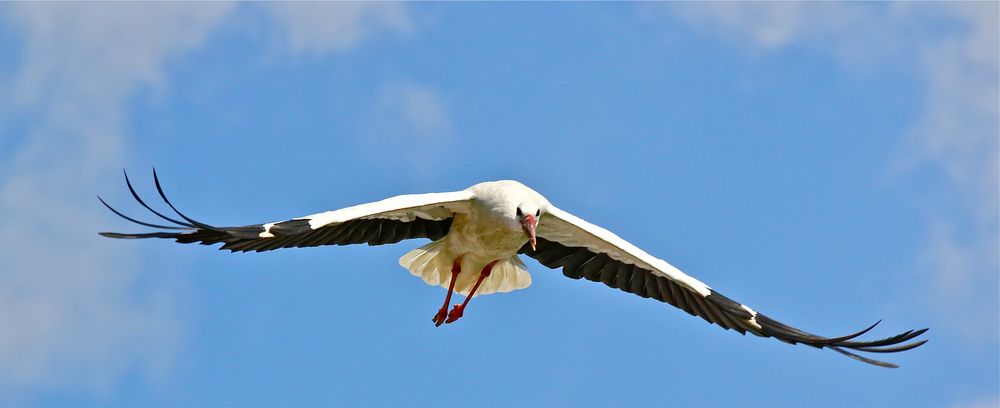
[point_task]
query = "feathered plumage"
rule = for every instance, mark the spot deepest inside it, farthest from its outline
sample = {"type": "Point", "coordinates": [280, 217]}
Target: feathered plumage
{"type": "Point", "coordinates": [484, 228]}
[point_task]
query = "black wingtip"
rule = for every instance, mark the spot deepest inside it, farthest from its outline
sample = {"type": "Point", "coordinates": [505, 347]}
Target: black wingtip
{"type": "Point", "coordinates": [146, 224]}
{"type": "Point", "coordinates": [862, 359]}
{"type": "Point", "coordinates": [143, 203]}
{"type": "Point", "coordinates": [172, 235]}
{"type": "Point", "coordinates": [841, 339]}
{"type": "Point", "coordinates": [895, 349]}
{"type": "Point", "coordinates": [186, 227]}
{"type": "Point", "coordinates": [159, 189]}
{"type": "Point", "coordinates": [845, 345]}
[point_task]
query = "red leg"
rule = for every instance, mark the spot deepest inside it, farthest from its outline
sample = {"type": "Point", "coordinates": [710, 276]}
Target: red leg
{"type": "Point", "coordinates": [456, 267]}
{"type": "Point", "coordinates": [459, 309]}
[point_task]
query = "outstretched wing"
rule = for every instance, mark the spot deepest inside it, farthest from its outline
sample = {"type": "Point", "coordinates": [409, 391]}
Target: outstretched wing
{"type": "Point", "coordinates": [584, 250]}
{"type": "Point", "coordinates": [383, 222]}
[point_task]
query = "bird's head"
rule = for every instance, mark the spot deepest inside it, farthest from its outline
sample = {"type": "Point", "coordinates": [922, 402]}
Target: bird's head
{"type": "Point", "coordinates": [527, 216]}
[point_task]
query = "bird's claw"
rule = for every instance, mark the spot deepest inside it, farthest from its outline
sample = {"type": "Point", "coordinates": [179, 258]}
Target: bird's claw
{"type": "Point", "coordinates": [440, 316]}
{"type": "Point", "coordinates": [456, 313]}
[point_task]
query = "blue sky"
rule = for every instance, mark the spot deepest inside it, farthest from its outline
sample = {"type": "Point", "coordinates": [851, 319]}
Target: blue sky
{"type": "Point", "coordinates": [827, 164]}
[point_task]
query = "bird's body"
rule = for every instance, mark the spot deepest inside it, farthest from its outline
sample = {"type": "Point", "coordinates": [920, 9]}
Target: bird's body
{"type": "Point", "coordinates": [476, 237]}
{"type": "Point", "coordinates": [488, 231]}
{"type": "Point", "coordinates": [485, 233]}
{"type": "Point", "coordinates": [480, 240]}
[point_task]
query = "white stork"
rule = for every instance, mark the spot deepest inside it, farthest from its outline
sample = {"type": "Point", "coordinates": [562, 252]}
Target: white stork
{"type": "Point", "coordinates": [484, 228]}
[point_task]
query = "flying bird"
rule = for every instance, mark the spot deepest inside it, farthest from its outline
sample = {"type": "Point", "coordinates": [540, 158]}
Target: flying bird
{"type": "Point", "coordinates": [476, 237]}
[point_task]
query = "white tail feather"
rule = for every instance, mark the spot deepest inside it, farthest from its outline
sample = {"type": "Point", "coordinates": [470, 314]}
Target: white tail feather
{"type": "Point", "coordinates": [424, 262]}
{"type": "Point", "coordinates": [432, 263]}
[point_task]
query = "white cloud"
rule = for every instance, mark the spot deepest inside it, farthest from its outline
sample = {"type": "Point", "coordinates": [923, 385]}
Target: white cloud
{"type": "Point", "coordinates": [73, 313]}
{"type": "Point", "coordinates": [70, 313]}
{"type": "Point", "coordinates": [316, 27]}
{"type": "Point", "coordinates": [410, 122]}
{"type": "Point", "coordinates": [419, 108]}
{"type": "Point", "coordinates": [855, 33]}
{"type": "Point", "coordinates": [959, 137]}
{"type": "Point", "coordinates": [956, 138]}
{"type": "Point", "coordinates": [985, 402]}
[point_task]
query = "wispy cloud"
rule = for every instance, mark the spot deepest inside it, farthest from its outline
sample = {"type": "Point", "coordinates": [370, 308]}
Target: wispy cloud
{"type": "Point", "coordinates": [411, 124]}
{"type": "Point", "coordinates": [73, 313]}
{"type": "Point", "coordinates": [955, 138]}
{"type": "Point", "coordinates": [985, 402]}
{"type": "Point", "coordinates": [958, 137]}
{"type": "Point", "coordinates": [70, 313]}
{"type": "Point", "coordinates": [318, 27]}
{"type": "Point", "coordinates": [853, 33]}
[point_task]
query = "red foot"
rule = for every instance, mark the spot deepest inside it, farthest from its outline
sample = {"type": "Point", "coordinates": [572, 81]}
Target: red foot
{"type": "Point", "coordinates": [455, 313]}
{"type": "Point", "coordinates": [439, 317]}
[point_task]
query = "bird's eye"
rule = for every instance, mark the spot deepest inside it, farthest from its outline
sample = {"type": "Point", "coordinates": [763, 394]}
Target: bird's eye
{"type": "Point", "coordinates": [519, 211]}
{"type": "Point", "coordinates": [538, 213]}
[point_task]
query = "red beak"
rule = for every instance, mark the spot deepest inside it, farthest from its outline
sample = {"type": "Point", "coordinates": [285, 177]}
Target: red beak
{"type": "Point", "coordinates": [528, 223]}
